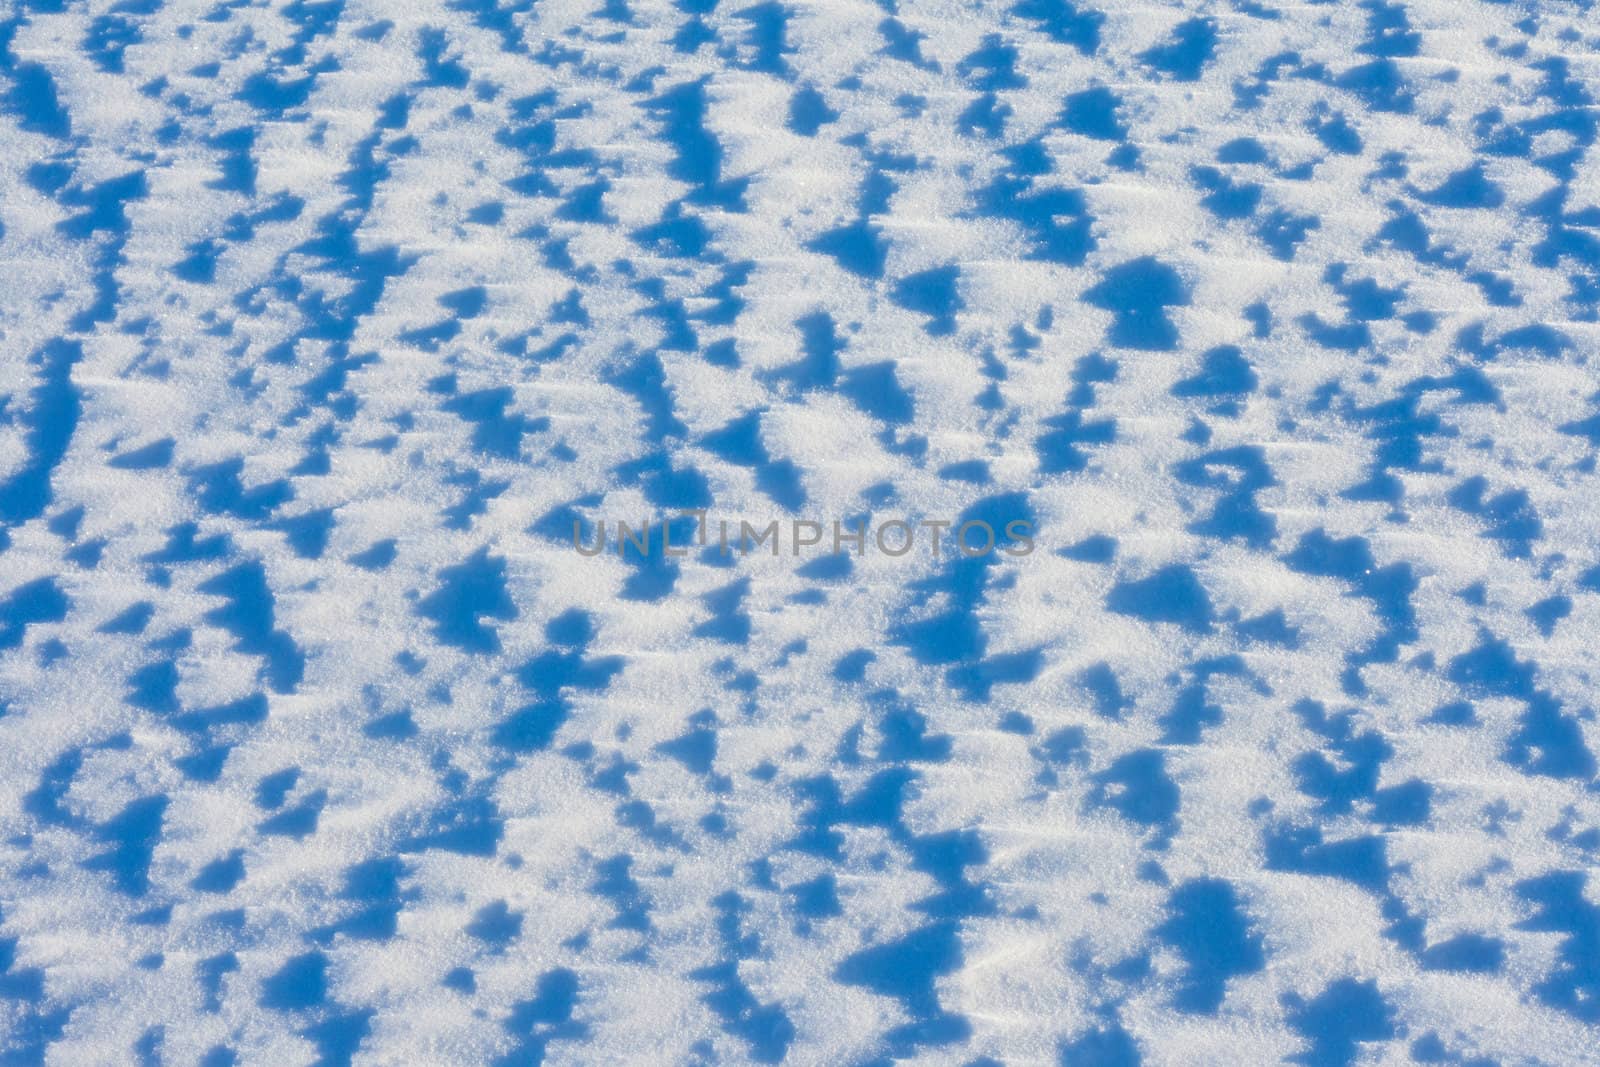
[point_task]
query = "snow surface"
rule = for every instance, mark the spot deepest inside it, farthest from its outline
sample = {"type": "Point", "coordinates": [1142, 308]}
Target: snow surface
{"type": "Point", "coordinates": [323, 321]}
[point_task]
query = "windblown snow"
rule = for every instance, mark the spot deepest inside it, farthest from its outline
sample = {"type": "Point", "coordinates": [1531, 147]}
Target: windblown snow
{"type": "Point", "coordinates": [325, 324]}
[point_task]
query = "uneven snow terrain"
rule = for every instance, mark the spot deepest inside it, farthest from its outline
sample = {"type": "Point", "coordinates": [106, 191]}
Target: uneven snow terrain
{"type": "Point", "coordinates": [324, 323]}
